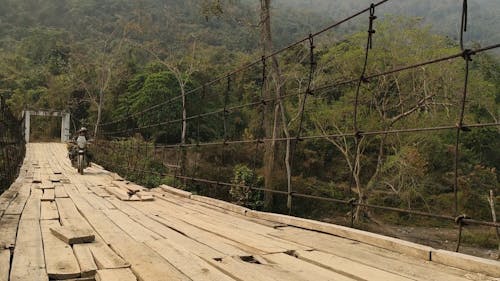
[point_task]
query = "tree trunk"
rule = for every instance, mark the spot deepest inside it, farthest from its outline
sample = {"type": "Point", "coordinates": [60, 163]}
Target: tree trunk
{"type": "Point", "coordinates": [269, 111]}
{"type": "Point", "coordinates": [183, 133]}
{"type": "Point", "coordinates": [99, 113]}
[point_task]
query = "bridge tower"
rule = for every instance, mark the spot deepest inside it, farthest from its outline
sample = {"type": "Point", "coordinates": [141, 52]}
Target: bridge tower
{"type": "Point", "coordinates": [65, 122]}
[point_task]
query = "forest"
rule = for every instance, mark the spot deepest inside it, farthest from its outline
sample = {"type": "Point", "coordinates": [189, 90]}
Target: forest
{"type": "Point", "coordinates": [119, 67]}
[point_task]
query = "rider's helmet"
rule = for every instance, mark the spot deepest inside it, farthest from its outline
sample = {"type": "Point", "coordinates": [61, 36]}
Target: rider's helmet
{"type": "Point", "coordinates": [83, 130]}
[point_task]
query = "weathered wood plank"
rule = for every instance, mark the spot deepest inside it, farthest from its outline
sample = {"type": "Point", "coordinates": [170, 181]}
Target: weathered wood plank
{"type": "Point", "coordinates": [48, 195]}
{"type": "Point", "coordinates": [16, 206]}
{"type": "Point", "coordinates": [72, 234]}
{"type": "Point", "coordinates": [28, 262]}
{"type": "Point", "coordinates": [49, 211]}
{"type": "Point", "coordinates": [123, 274]}
{"type": "Point", "coordinates": [137, 231]}
{"type": "Point", "coordinates": [88, 267]}
{"type": "Point", "coordinates": [175, 191]}
{"type": "Point", "coordinates": [105, 258]}
{"type": "Point", "coordinates": [372, 256]}
{"type": "Point", "coordinates": [60, 192]}
{"type": "Point", "coordinates": [134, 252]}
{"type": "Point", "coordinates": [401, 246]}
{"type": "Point", "coordinates": [462, 261]}
{"type": "Point", "coordinates": [4, 264]}
{"type": "Point", "coordinates": [8, 231]}
{"type": "Point", "coordinates": [121, 194]}
{"type": "Point", "coordinates": [129, 186]}
{"type": "Point", "coordinates": [99, 191]}
{"type": "Point", "coordinates": [190, 264]}
{"type": "Point", "coordinates": [60, 260]}
{"type": "Point", "coordinates": [348, 267]}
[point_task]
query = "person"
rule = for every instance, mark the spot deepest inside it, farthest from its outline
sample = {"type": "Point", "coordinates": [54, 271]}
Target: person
{"type": "Point", "coordinates": [82, 135]}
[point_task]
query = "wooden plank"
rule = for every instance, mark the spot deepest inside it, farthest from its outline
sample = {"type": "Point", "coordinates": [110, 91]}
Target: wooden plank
{"type": "Point", "coordinates": [48, 195]}
{"type": "Point", "coordinates": [49, 211]}
{"type": "Point", "coordinates": [105, 258]}
{"type": "Point", "coordinates": [135, 230]}
{"type": "Point", "coordinates": [126, 185]}
{"type": "Point", "coordinates": [175, 191]}
{"type": "Point", "coordinates": [8, 195]}
{"type": "Point", "coordinates": [8, 231]}
{"type": "Point", "coordinates": [308, 271]}
{"type": "Point", "coordinates": [188, 263]}
{"type": "Point", "coordinates": [99, 191]}
{"type": "Point", "coordinates": [222, 245]}
{"type": "Point", "coordinates": [256, 268]}
{"type": "Point", "coordinates": [88, 267]}
{"type": "Point", "coordinates": [4, 264]}
{"type": "Point", "coordinates": [60, 192]}
{"type": "Point", "coordinates": [401, 246]}
{"type": "Point", "coordinates": [72, 234]}
{"type": "Point", "coordinates": [28, 262]}
{"type": "Point", "coordinates": [221, 204]}
{"type": "Point", "coordinates": [116, 177]}
{"type": "Point", "coordinates": [16, 206]}
{"type": "Point", "coordinates": [134, 252]}
{"type": "Point", "coordinates": [204, 249]}
{"type": "Point", "coordinates": [386, 260]}
{"type": "Point", "coordinates": [69, 214]}
{"type": "Point", "coordinates": [123, 274]}
{"type": "Point", "coordinates": [47, 185]}
{"type": "Point", "coordinates": [348, 267]}
{"type": "Point", "coordinates": [467, 262]}
{"type": "Point", "coordinates": [145, 196]}
{"type": "Point", "coordinates": [54, 178]}
{"type": "Point", "coordinates": [121, 194]}
{"type": "Point", "coordinates": [60, 260]}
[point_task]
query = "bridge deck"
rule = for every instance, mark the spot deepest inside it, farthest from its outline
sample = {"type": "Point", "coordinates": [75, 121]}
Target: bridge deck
{"type": "Point", "coordinates": [171, 238]}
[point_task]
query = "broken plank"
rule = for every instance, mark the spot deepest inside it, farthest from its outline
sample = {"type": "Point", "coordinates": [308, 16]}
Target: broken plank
{"type": "Point", "coordinates": [83, 254]}
{"type": "Point", "coordinates": [8, 231]}
{"type": "Point", "coordinates": [121, 194]}
{"type": "Point", "coordinates": [49, 211]}
{"type": "Point", "coordinates": [145, 196]}
{"type": "Point", "coordinates": [128, 186]}
{"type": "Point", "coordinates": [123, 274]}
{"type": "Point", "coordinates": [72, 234]}
{"type": "Point", "coordinates": [190, 264]}
{"type": "Point", "coordinates": [48, 195]}
{"type": "Point", "coordinates": [60, 260]}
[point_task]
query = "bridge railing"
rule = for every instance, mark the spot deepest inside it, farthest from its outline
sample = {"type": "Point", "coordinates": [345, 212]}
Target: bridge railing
{"type": "Point", "coordinates": [12, 146]}
{"type": "Point", "coordinates": [210, 161]}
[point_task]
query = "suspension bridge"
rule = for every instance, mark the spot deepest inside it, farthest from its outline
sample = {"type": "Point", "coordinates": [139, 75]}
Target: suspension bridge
{"type": "Point", "coordinates": [58, 225]}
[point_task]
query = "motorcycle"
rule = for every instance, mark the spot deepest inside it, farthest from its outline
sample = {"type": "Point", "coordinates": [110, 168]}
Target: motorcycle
{"type": "Point", "coordinates": [80, 161]}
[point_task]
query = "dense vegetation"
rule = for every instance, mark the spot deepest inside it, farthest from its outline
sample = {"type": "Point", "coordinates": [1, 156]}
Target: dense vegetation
{"type": "Point", "coordinates": [107, 60]}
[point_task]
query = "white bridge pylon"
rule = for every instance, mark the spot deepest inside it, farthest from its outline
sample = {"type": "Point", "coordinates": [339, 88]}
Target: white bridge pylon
{"type": "Point", "coordinates": [65, 122]}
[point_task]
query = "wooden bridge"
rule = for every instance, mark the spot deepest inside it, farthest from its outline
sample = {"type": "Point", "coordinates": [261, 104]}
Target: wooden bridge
{"type": "Point", "coordinates": [169, 234]}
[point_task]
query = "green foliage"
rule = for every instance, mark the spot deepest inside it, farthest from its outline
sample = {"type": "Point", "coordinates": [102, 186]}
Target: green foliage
{"type": "Point", "coordinates": [243, 194]}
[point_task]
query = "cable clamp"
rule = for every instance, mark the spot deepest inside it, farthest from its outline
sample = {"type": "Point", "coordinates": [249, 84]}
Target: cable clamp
{"type": "Point", "coordinates": [358, 134]}
{"type": "Point", "coordinates": [460, 219]}
{"type": "Point", "coordinates": [352, 202]}
{"type": "Point", "coordinates": [467, 54]}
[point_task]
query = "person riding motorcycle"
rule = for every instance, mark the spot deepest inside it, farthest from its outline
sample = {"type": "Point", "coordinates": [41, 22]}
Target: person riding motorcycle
{"type": "Point", "coordinates": [82, 135]}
